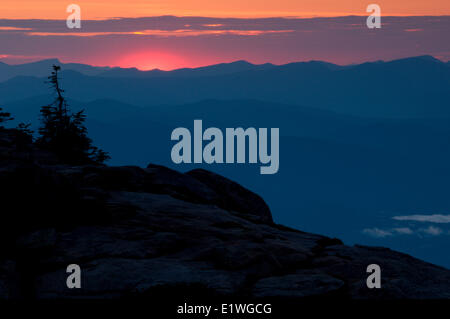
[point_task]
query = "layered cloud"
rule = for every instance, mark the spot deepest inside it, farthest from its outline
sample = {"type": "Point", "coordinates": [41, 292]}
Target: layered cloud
{"type": "Point", "coordinates": [169, 42]}
{"type": "Point", "coordinates": [414, 228]}
{"type": "Point", "coordinates": [436, 218]}
{"type": "Point", "coordinates": [377, 232]}
{"type": "Point", "coordinates": [431, 230]}
{"type": "Point", "coordinates": [383, 233]}
{"type": "Point", "coordinates": [162, 33]}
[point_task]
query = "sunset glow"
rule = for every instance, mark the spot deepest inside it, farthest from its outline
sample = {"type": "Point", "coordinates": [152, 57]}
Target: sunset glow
{"type": "Point", "coordinates": [153, 59]}
{"type": "Point", "coordinates": [100, 9]}
{"type": "Point", "coordinates": [170, 34]}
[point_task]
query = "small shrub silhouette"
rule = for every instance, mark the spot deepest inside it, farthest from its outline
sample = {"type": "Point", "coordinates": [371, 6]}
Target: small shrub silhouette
{"type": "Point", "coordinates": [4, 117]}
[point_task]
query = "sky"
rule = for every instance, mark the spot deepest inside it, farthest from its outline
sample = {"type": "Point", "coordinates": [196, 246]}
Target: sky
{"type": "Point", "coordinates": [55, 9]}
{"type": "Point", "coordinates": [196, 33]}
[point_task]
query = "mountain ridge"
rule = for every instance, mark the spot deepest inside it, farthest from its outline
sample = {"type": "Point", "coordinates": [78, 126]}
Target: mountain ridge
{"type": "Point", "coordinates": [42, 66]}
{"type": "Point", "coordinates": [415, 87]}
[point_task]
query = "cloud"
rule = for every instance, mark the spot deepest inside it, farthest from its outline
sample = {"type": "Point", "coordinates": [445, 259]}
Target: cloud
{"type": "Point", "coordinates": [203, 41]}
{"type": "Point", "coordinates": [162, 33]}
{"type": "Point", "coordinates": [430, 230]}
{"type": "Point", "coordinates": [383, 233]}
{"type": "Point", "coordinates": [13, 29]}
{"type": "Point", "coordinates": [213, 25]}
{"type": "Point", "coordinates": [413, 30]}
{"type": "Point", "coordinates": [436, 218]}
{"type": "Point", "coordinates": [435, 231]}
{"type": "Point", "coordinates": [404, 231]}
{"type": "Point", "coordinates": [378, 233]}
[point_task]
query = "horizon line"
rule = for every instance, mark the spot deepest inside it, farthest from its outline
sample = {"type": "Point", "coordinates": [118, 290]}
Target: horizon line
{"type": "Point", "coordinates": [225, 62]}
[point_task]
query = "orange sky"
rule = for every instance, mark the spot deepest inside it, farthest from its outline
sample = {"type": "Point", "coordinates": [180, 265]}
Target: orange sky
{"type": "Point", "coordinates": [96, 9]}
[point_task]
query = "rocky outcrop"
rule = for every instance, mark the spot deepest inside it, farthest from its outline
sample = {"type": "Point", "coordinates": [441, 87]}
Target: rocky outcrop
{"type": "Point", "coordinates": [134, 231]}
{"type": "Point", "coordinates": [234, 197]}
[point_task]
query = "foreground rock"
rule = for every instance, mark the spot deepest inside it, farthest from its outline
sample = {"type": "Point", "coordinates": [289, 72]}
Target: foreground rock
{"type": "Point", "coordinates": [136, 230]}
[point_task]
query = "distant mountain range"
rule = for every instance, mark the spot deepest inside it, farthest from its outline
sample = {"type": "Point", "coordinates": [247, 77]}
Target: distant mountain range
{"type": "Point", "coordinates": [40, 69]}
{"type": "Point", "coordinates": [412, 87]}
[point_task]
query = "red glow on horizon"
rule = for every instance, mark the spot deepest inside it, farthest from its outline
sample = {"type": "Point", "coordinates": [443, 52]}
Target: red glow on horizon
{"type": "Point", "coordinates": [166, 60]}
{"type": "Point", "coordinates": [154, 59]}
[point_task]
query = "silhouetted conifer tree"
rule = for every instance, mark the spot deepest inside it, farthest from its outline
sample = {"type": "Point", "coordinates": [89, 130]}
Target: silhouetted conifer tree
{"type": "Point", "coordinates": [4, 117]}
{"type": "Point", "coordinates": [64, 132]}
{"type": "Point", "coordinates": [25, 128]}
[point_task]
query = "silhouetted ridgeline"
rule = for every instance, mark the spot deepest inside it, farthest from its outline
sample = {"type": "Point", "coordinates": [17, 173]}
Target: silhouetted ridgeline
{"type": "Point", "coordinates": [404, 88]}
{"type": "Point", "coordinates": [136, 231]}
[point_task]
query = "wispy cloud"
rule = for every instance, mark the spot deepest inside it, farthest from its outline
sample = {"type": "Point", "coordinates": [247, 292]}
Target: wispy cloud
{"type": "Point", "coordinates": [403, 231]}
{"type": "Point", "coordinates": [431, 230]}
{"type": "Point", "coordinates": [435, 218]}
{"type": "Point", "coordinates": [377, 232]}
{"type": "Point", "coordinates": [413, 30]}
{"type": "Point", "coordinates": [14, 29]}
{"type": "Point", "coordinates": [382, 233]}
{"type": "Point", "coordinates": [213, 25]}
{"type": "Point", "coordinates": [162, 33]}
{"type": "Point", "coordinates": [199, 41]}
{"type": "Point", "coordinates": [409, 231]}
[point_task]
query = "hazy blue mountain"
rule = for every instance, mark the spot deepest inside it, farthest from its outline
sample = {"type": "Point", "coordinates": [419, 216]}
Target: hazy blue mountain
{"type": "Point", "coordinates": [212, 70]}
{"type": "Point", "coordinates": [413, 87]}
{"type": "Point", "coordinates": [41, 69]}
{"type": "Point", "coordinates": [300, 121]}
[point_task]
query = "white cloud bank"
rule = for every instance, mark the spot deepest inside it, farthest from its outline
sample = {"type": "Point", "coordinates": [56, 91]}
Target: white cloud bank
{"type": "Point", "coordinates": [430, 230]}
{"type": "Point", "coordinates": [434, 231]}
{"type": "Point", "coordinates": [382, 233]}
{"type": "Point", "coordinates": [436, 218]}
{"type": "Point", "coordinates": [376, 232]}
